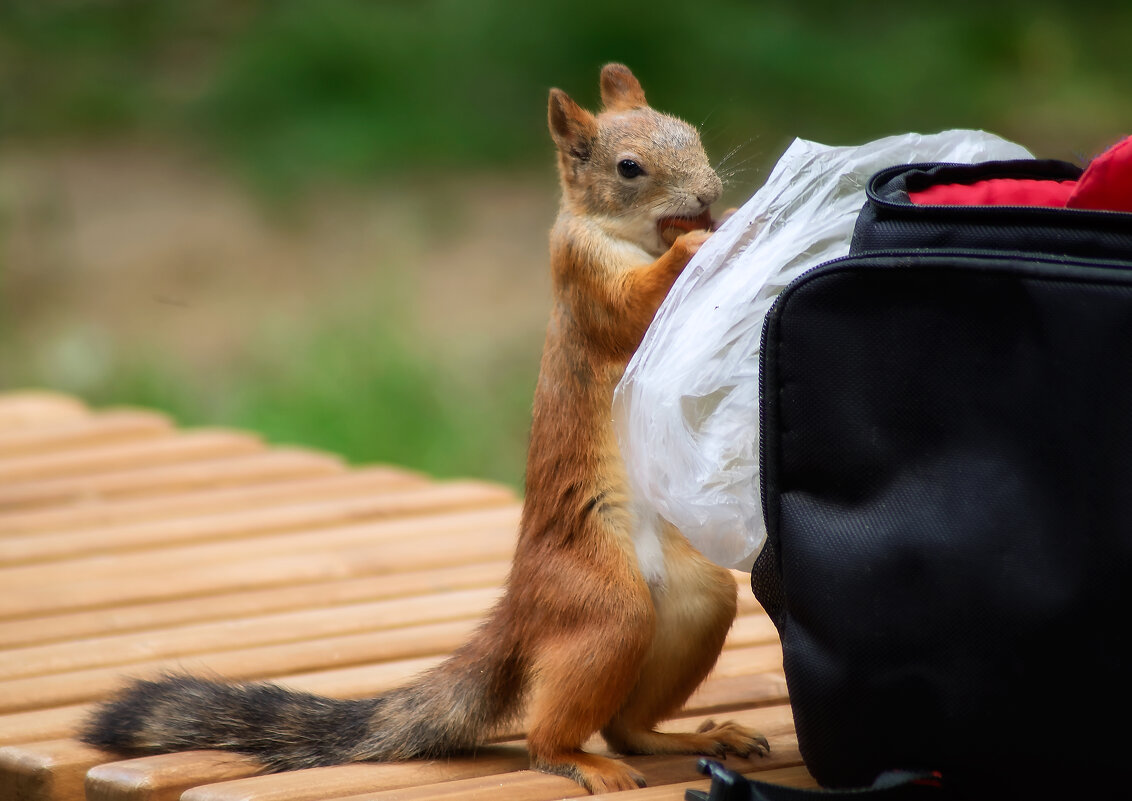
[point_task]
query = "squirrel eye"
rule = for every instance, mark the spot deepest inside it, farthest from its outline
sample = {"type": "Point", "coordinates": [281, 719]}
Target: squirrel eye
{"type": "Point", "coordinates": [629, 168]}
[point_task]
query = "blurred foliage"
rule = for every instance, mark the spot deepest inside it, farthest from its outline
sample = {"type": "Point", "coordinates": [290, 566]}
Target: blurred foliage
{"type": "Point", "coordinates": [356, 389]}
{"type": "Point", "coordinates": [291, 91]}
{"type": "Point", "coordinates": [291, 94]}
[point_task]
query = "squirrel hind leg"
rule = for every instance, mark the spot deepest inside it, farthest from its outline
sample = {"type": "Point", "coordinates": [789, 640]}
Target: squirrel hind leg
{"type": "Point", "coordinates": [664, 687]}
{"type": "Point", "coordinates": [693, 617]}
{"type": "Point", "coordinates": [579, 684]}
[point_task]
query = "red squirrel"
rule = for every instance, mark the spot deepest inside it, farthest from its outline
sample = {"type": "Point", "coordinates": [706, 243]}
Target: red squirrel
{"type": "Point", "coordinates": [609, 622]}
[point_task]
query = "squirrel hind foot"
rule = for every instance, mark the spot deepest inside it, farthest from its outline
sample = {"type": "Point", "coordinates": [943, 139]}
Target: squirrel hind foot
{"type": "Point", "coordinates": [597, 774]}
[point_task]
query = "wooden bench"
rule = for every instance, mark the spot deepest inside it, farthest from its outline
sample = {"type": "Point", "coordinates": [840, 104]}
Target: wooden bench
{"type": "Point", "coordinates": [129, 547]}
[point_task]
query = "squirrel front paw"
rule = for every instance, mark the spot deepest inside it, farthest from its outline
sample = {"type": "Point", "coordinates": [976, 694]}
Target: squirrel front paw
{"type": "Point", "coordinates": [730, 736]}
{"type": "Point", "coordinates": [687, 245]}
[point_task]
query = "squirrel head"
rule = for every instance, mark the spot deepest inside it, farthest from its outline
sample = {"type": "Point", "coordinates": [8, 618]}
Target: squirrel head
{"type": "Point", "coordinates": [630, 167]}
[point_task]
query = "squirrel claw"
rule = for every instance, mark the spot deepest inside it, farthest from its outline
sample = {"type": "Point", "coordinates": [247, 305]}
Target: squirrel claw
{"type": "Point", "coordinates": [734, 738]}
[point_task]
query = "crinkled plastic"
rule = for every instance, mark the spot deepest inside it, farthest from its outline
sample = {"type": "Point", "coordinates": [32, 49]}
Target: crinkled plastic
{"type": "Point", "coordinates": [686, 409]}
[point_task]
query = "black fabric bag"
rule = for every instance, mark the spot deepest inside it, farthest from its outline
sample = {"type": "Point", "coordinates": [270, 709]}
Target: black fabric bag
{"type": "Point", "coordinates": [947, 482]}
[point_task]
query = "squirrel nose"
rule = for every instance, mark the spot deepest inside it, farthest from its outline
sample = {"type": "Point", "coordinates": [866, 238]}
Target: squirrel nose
{"type": "Point", "coordinates": [711, 193]}
{"type": "Point", "coordinates": [707, 198]}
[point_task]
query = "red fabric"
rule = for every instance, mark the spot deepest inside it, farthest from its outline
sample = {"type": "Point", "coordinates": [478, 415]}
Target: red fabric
{"type": "Point", "coordinates": [996, 192]}
{"type": "Point", "coordinates": [1106, 185]}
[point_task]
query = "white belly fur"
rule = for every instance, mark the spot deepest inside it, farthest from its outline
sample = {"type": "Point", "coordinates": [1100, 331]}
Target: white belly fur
{"type": "Point", "coordinates": [650, 552]}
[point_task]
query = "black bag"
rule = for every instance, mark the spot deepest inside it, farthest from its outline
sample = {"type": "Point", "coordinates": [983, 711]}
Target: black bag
{"type": "Point", "coordinates": [947, 482]}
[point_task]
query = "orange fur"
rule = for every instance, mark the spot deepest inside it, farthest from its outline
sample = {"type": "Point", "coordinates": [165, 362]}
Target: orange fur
{"type": "Point", "coordinates": [606, 650]}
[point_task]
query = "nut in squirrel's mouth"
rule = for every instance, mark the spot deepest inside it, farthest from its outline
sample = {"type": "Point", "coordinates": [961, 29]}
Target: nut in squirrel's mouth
{"type": "Point", "coordinates": [671, 227]}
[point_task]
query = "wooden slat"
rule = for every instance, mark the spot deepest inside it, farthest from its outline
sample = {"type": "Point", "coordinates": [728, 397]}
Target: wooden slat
{"type": "Point", "coordinates": [119, 511]}
{"type": "Point", "coordinates": [273, 661]}
{"type": "Point", "coordinates": [721, 694]}
{"type": "Point", "coordinates": [186, 447]}
{"type": "Point", "coordinates": [134, 482]}
{"type": "Point", "coordinates": [42, 724]}
{"type": "Point", "coordinates": [47, 771]}
{"type": "Point", "coordinates": [413, 544]}
{"type": "Point", "coordinates": [296, 625]}
{"type": "Point", "coordinates": [407, 536]}
{"type": "Point", "coordinates": [94, 430]}
{"type": "Point", "coordinates": [161, 778]}
{"type": "Point", "coordinates": [283, 516]}
{"type": "Point", "coordinates": [24, 410]}
{"type": "Point", "coordinates": [752, 627]}
{"type": "Point", "coordinates": [520, 785]}
{"type": "Point", "coordinates": [165, 777]}
{"type": "Point", "coordinates": [230, 604]}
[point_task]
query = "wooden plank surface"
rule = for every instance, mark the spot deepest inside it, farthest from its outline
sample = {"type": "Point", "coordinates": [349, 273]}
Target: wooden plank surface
{"type": "Point", "coordinates": [337, 484]}
{"type": "Point", "coordinates": [30, 409]}
{"type": "Point", "coordinates": [149, 481]}
{"type": "Point", "coordinates": [129, 547]}
{"type": "Point", "coordinates": [90, 430]}
{"type": "Point", "coordinates": [284, 515]}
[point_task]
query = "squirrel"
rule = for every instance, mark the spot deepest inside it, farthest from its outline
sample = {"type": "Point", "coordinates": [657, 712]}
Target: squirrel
{"type": "Point", "coordinates": [610, 619]}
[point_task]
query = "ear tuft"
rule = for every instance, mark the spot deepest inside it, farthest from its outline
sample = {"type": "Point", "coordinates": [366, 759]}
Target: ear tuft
{"type": "Point", "coordinates": [571, 126]}
{"type": "Point", "coordinates": [620, 89]}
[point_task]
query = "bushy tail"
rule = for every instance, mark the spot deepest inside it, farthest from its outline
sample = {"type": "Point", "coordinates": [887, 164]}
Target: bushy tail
{"type": "Point", "coordinates": [449, 709]}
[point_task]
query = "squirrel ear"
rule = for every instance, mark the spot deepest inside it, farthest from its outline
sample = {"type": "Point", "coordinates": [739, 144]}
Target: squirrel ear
{"type": "Point", "coordinates": [571, 126]}
{"type": "Point", "coordinates": [620, 89]}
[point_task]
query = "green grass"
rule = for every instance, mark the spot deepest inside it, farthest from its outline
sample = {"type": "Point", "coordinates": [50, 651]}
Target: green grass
{"type": "Point", "coordinates": [353, 388]}
{"type": "Point", "coordinates": [350, 373]}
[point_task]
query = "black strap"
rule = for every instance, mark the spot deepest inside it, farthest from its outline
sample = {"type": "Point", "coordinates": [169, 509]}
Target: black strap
{"type": "Point", "coordinates": [727, 785]}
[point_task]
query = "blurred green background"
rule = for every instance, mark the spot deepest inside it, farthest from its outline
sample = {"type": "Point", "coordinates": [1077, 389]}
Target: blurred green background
{"type": "Point", "coordinates": [326, 220]}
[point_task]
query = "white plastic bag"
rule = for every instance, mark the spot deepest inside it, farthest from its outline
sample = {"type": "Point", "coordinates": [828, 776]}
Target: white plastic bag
{"type": "Point", "coordinates": [686, 409]}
